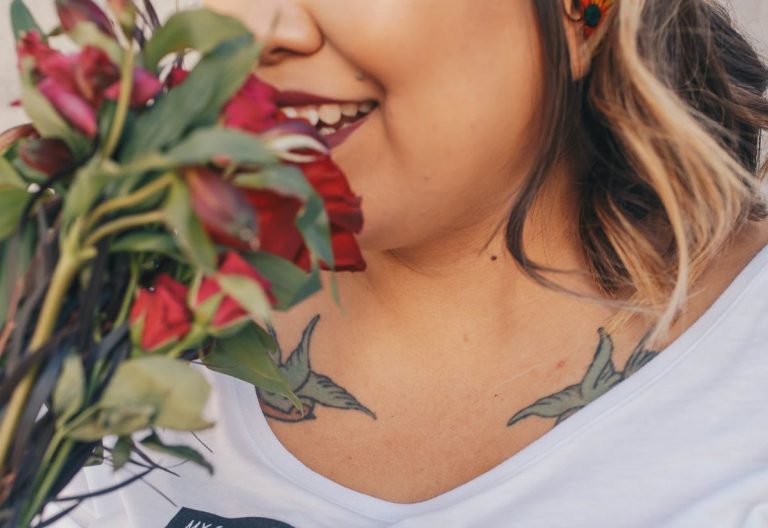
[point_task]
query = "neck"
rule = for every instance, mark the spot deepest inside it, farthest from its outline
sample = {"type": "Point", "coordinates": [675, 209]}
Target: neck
{"type": "Point", "coordinates": [465, 288]}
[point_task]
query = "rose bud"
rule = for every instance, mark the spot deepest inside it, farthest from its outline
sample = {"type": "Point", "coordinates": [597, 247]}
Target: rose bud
{"type": "Point", "coordinates": [229, 312]}
{"type": "Point", "coordinates": [222, 208]}
{"type": "Point", "coordinates": [12, 135]}
{"type": "Point", "coordinates": [125, 12]}
{"type": "Point", "coordinates": [160, 315]}
{"type": "Point", "coordinates": [48, 155]}
{"type": "Point", "coordinates": [71, 12]}
{"type": "Point", "coordinates": [72, 106]}
{"type": "Point", "coordinates": [253, 107]}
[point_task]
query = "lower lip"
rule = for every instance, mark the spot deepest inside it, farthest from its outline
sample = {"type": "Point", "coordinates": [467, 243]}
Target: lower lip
{"type": "Point", "coordinates": [337, 138]}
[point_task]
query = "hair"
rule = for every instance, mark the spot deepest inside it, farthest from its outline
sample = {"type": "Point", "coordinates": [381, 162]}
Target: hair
{"type": "Point", "coordinates": [664, 131]}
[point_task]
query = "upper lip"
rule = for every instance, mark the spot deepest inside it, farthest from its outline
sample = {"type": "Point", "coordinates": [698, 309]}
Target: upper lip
{"type": "Point", "coordinates": [296, 98]}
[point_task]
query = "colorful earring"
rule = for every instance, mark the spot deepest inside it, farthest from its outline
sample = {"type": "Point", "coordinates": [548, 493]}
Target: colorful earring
{"type": "Point", "coordinates": [592, 13]}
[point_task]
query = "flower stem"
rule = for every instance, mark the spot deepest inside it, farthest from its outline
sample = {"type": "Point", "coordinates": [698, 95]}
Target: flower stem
{"type": "Point", "coordinates": [51, 474]}
{"type": "Point", "coordinates": [122, 224]}
{"type": "Point", "coordinates": [126, 83]}
{"type": "Point", "coordinates": [63, 275]}
{"type": "Point", "coordinates": [129, 200]}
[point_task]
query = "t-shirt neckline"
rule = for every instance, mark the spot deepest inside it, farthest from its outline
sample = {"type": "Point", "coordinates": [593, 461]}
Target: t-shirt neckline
{"type": "Point", "coordinates": [283, 462]}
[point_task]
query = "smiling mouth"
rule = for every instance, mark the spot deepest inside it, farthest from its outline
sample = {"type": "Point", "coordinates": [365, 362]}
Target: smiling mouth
{"type": "Point", "coordinates": [332, 120]}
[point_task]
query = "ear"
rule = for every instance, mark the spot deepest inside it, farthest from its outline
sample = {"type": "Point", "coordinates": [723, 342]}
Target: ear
{"type": "Point", "coordinates": [578, 46]}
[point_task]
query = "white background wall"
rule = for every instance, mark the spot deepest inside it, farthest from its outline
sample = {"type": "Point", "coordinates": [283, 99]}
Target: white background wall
{"type": "Point", "coordinates": [752, 15]}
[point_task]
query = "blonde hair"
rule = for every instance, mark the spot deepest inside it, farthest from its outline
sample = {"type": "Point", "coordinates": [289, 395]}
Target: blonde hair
{"type": "Point", "coordinates": [665, 133]}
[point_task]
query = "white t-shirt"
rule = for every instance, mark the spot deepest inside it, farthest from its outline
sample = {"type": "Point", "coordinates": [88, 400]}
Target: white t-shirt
{"type": "Point", "coordinates": [683, 442]}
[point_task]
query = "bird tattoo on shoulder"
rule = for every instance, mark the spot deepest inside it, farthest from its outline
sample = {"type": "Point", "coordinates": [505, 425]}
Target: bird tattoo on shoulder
{"type": "Point", "coordinates": [312, 388]}
{"type": "Point", "coordinates": [600, 377]}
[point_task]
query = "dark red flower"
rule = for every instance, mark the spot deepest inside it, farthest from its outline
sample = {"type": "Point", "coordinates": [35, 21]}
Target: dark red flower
{"type": "Point", "coordinates": [229, 311]}
{"type": "Point", "coordinates": [76, 84]}
{"type": "Point", "coordinates": [31, 45]}
{"type": "Point", "coordinates": [222, 208]}
{"type": "Point", "coordinates": [71, 106]}
{"type": "Point", "coordinates": [47, 155]}
{"type": "Point", "coordinates": [144, 86]}
{"type": "Point", "coordinates": [277, 213]}
{"type": "Point", "coordinates": [164, 313]}
{"type": "Point", "coordinates": [253, 107]}
{"type": "Point", "coordinates": [71, 12]}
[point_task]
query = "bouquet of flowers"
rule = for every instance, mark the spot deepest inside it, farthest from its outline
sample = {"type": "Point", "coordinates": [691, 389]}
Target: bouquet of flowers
{"type": "Point", "coordinates": [152, 213]}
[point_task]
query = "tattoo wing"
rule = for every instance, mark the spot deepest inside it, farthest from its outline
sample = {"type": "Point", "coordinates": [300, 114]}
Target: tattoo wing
{"type": "Point", "coordinates": [565, 401]}
{"type": "Point", "coordinates": [324, 391]}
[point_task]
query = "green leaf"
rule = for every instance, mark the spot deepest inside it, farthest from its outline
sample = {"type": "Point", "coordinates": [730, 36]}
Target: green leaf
{"type": "Point", "coordinates": [246, 356]}
{"type": "Point", "coordinates": [247, 292]}
{"type": "Point", "coordinates": [314, 226]}
{"type": "Point", "coordinates": [149, 391]}
{"type": "Point", "coordinates": [87, 185]}
{"type": "Point", "coordinates": [191, 236]}
{"type": "Point", "coordinates": [69, 392]}
{"type": "Point", "coordinates": [196, 102]}
{"type": "Point", "coordinates": [86, 33]}
{"type": "Point", "coordinates": [202, 145]}
{"type": "Point", "coordinates": [290, 283]}
{"type": "Point", "coordinates": [9, 176]}
{"type": "Point", "coordinates": [44, 116]}
{"type": "Point", "coordinates": [283, 179]}
{"type": "Point", "coordinates": [15, 256]}
{"type": "Point", "coordinates": [22, 20]}
{"type": "Point", "coordinates": [181, 451]}
{"type": "Point", "coordinates": [121, 452]}
{"type": "Point", "coordinates": [199, 29]}
{"type": "Point", "coordinates": [146, 241]}
{"type": "Point", "coordinates": [13, 200]}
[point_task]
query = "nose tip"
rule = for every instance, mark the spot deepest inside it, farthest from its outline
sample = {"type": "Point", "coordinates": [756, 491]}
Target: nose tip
{"type": "Point", "coordinates": [292, 32]}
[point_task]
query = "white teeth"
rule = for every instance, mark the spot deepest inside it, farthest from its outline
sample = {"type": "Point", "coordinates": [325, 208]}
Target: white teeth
{"type": "Point", "coordinates": [330, 113]}
{"type": "Point", "coordinates": [325, 131]}
{"type": "Point", "coordinates": [310, 114]}
{"type": "Point", "coordinates": [349, 109]}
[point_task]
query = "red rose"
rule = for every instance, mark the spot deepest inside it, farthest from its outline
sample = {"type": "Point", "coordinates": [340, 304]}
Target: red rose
{"type": "Point", "coordinates": [229, 311]}
{"type": "Point", "coordinates": [163, 310]}
{"type": "Point", "coordinates": [278, 233]}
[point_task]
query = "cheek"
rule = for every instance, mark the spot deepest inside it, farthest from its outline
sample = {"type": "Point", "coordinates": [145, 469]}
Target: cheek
{"type": "Point", "coordinates": [458, 110]}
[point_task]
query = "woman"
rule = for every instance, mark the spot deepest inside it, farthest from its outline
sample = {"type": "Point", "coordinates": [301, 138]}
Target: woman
{"type": "Point", "coordinates": [465, 383]}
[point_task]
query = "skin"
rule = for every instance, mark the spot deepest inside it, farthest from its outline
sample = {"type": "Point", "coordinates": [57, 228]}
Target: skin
{"type": "Point", "coordinates": [442, 341]}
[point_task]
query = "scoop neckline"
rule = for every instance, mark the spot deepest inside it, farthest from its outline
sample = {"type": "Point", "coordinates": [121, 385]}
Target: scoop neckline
{"type": "Point", "coordinates": [282, 461]}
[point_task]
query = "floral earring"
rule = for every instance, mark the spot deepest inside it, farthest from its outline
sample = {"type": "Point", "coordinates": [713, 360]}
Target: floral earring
{"type": "Point", "coordinates": [592, 13]}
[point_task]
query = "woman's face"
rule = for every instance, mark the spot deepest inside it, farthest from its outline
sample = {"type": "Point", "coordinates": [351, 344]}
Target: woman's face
{"type": "Point", "coordinates": [457, 84]}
